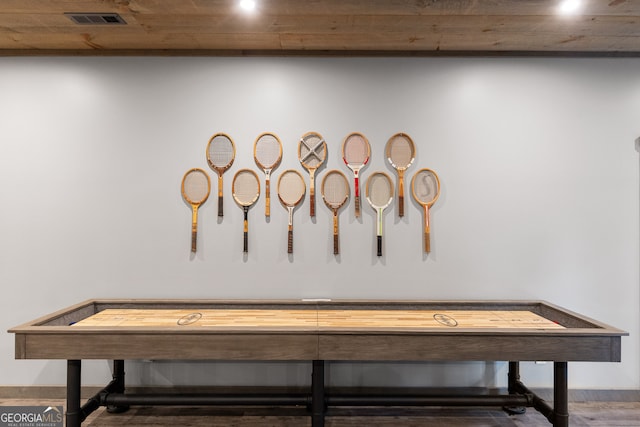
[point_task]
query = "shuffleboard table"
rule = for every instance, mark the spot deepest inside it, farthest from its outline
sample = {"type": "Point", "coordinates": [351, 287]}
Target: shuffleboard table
{"type": "Point", "coordinates": [318, 331]}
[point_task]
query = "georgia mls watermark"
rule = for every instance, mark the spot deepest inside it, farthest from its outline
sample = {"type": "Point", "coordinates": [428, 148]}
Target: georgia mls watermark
{"type": "Point", "coordinates": [31, 416]}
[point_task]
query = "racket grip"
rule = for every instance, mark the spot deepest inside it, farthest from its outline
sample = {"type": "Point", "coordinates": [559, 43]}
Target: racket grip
{"type": "Point", "coordinates": [357, 203]}
{"type": "Point", "coordinates": [312, 202]}
{"type": "Point", "coordinates": [290, 242]}
{"type": "Point", "coordinates": [220, 204]}
{"type": "Point", "coordinates": [245, 248]}
{"type": "Point", "coordinates": [379, 245]}
{"type": "Point", "coordinates": [267, 207]}
{"type": "Point", "coordinates": [427, 242]}
{"type": "Point", "coordinates": [336, 249]}
{"type": "Point", "coordinates": [194, 240]}
{"type": "Point", "coordinates": [401, 205]}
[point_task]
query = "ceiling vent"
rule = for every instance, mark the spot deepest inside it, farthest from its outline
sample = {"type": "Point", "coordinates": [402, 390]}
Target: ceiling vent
{"type": "Point", "coordinates": [96, 18]}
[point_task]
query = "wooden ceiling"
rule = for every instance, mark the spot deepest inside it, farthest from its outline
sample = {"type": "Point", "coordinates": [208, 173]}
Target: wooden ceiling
{"type": "Point", "coordinates": [319, 27]}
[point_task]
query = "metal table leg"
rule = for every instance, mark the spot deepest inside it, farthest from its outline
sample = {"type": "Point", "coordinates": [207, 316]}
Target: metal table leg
{"type": "Point", "coordinates": [560, 395]}
{"type": "Point", "coordinates": [73, 415]}
{"type": "Point", "coordinates": [317, 394]}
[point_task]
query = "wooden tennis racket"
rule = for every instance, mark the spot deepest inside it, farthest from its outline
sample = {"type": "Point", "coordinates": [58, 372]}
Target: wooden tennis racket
{"type": "Point", "coordinates": [379, 194]}
{"type": "Point", "coordinates": [425, 187]}
{"type": "Point", "coordinates": [291, 189]}
{"type": "Point", "coordinates": [195, 190]}
{"type": "Point", "coordinates": [335, 193]}
{"type": "Point", "coordinates": [312, 152]}
{"type": "Point", "coordinates": [355, 153]}
{"type": "Point", "coordinates": [267, 152]}
{"type": "Point", "coordinates": [221, 151]}
{"type": "Point", "coordinates": [246, 190]}
{"type": "Point", "coordinates": [401, 152]}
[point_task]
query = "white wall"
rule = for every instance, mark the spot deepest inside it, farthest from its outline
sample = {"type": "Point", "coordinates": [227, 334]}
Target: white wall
{"type": "Point", "coordinates": [540, 194]}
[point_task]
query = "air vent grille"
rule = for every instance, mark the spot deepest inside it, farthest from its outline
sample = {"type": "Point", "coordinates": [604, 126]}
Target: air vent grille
{"type": "Point", "coordinates": [96, 18]}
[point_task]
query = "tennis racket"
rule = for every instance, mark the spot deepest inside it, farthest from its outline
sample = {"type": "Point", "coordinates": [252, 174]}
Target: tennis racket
{"type": "Point", "coordinates": [425, 186]}
{"type": "Point", "coordinates": [355, 153]}
{"type": "Point", "coordinates": [379, 194]}
{"type": "Point", "coordinates": [312, 152]}
{"type": "Point", "coordinates": [291, 189]}
{"type": "Point", "coordinates": [195, 190]}
{"type": "Point", "coordinates": [246, 190]}
{"type": "Point", "coordinates": [335, 193]}
{"type": "Point", "coordinates": [400, 153]}
{"type": "Point", "coordinates": [267, 152]}
{"type": "Point", "coordinates": [221, 151]}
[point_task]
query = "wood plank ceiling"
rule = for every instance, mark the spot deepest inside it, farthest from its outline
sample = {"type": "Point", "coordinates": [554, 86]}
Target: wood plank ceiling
{"type": "Point", "coordinates": [318, 27]}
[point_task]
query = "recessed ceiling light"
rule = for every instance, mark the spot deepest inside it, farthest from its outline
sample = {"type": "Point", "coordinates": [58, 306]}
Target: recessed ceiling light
{"type": "Point", "coordinates": [248, 5]}
{"type": "Point", "coordinates": [569, 7]}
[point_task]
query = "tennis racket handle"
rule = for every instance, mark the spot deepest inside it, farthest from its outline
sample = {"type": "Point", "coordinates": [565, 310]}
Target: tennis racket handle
{"type": "Point", "coordinates": [245, 248]}
{"type": "Point", "coordinates": [427, 241]}
{"type": "Point", "coordinates": [356, 201]}
{"type": "Point", "coordinates": [401, 205]}
{"type": "Point", "coordinates": [220, 212]}
{"type": "Point", "coordinates": [379, 245]}
{"type": "Point", "coordinates": [267, 207]}
{"type": "Point", "coordinates": [194, 239]}
{"type": "Point", "coordinates": [290, 242]}
{"type": "Point", "coordinates": [312, 202]}
{"type": "Point", "coordinates": [336, 249]}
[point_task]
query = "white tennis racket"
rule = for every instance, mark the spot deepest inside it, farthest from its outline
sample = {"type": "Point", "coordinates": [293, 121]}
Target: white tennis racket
{"type": "Point", "coordinates": [195, 190]}
{"type": "Point", "coordinates": [221, 151]}
{"type": "Point", "coordinates": [335, 193]}
{"type": "Point", "coordinates": [291, 189]}
{"type": "Point", "coordinates": [246, 190]}
{"type": "Point", "coordinates": [425, 187]}
{"type": "Point", "coordinates": [379, 194]}
{"type": "Point", "coordinates": [400, 152]}
{"type": "Point", "coordinates": [312, 152]}
{"type": "Point", "coordinates": [267, 152]}
{"type": "Point", "coordinates": [355, 153]}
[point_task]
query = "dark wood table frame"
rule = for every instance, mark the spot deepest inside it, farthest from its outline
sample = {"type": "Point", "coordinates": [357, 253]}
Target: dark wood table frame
{"type": "Point", "coordinates": [581, 339]}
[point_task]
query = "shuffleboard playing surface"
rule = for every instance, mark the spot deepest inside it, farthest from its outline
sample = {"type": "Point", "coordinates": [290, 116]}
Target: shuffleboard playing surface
{"type": "Point", "coordinates": [333, 319]}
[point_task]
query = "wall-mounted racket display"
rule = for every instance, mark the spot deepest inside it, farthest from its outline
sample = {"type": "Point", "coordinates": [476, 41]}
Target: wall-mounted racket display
{"type": "Point", "coordinates": [425, 187]}
{"type": "Point", "coordinates": [335, 193]}
{"type": "Point", "coordinates": [355, 153]}
{"type": "Point", "coordinates": [379, 194]}
{"type": "Point", "coordinates": [291, 189]}
{"type": "Point", "coordinates": [221, 151]}
{"type": "Point", "coordinates": [400, 152]}
{"type": "Point", "coordinates": [267, 152]}
{"type": "Point", "coordinates": [312, 152]}
{"type": "Point", "coordinates": [196, 186]}
{"type": "Point", "coordinates": [246, 191]}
